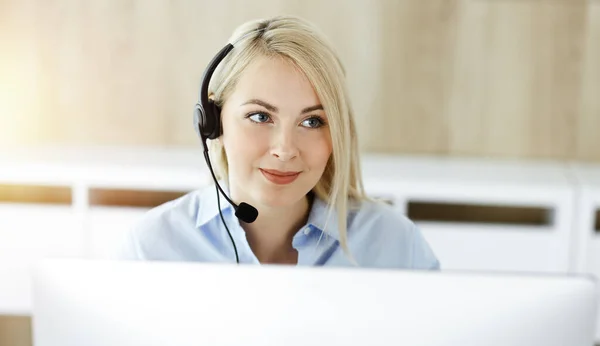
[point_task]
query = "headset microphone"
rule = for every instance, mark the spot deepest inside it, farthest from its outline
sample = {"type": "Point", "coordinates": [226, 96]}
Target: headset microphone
{"type": "Point", "coordinates": [243, 211]}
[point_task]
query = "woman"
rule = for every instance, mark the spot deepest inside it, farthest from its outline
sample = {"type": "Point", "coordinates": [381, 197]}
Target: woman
{"type": "Point", "coordinates": [287, 145]}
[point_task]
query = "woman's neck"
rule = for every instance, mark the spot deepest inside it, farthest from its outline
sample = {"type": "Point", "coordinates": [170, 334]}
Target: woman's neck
{"type": "Point", "coordinates": [270, 236]}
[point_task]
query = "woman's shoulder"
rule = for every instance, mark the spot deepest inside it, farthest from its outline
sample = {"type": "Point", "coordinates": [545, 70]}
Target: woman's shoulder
{"type": "Point", "coordinates": [380, 213]}
{"type": "Point", "coordinates": [182, 208]}
{"type": "Point", "coordinates": [395, 236]}
{"type": "Point", "coordinates": [162, 225]}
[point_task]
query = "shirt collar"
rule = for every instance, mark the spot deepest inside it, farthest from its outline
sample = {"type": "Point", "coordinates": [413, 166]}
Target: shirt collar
{"type": "Point", "coordinates": [317, 218]}
{"type": "Point", "coordinates": [208, 204]}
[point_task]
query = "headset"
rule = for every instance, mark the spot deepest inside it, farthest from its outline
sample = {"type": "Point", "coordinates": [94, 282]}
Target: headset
{"type": "Point", "coordinates": [207, 123]}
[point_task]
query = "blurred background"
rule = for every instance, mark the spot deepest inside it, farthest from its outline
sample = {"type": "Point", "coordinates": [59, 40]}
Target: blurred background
{"type": "Point", "coordinates": [515, 78]}
{"type": "Point", "coordinates": [506, 79]}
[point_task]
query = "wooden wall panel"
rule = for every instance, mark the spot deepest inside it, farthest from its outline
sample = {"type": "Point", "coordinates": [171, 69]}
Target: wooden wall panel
{"type": "Point", "coordinates": [103, 68]}
{"type": "Point", "coordinates": [455, 77]}
{"type": "Point", "coordinates": [20, 121]}
{"type": "Point", "coordinates": [516, 79]}
{"type": "Point", "coordinates": [16, 331]}
{"type": "Point", "coordinates": [558, 39]}
{"type": "Point", "coordinates": [415, 77]}
{"type": "Point", "coordinates": [588, 134]}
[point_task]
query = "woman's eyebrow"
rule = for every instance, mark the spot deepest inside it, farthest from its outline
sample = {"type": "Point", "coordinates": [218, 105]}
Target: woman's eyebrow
{"type": "Point", "coordinates": [312, 108]}
{"type": "Point", "coordinates": [268, 106]}
{"type": "Point", "coordinates": [274, 109]}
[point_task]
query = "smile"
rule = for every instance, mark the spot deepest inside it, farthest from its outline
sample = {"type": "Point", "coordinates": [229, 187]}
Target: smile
{"type": "Point", "coordinates": [278, 177]}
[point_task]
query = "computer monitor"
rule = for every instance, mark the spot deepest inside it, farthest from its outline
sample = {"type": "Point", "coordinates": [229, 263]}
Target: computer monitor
{"type": "Point", "coordinates": [120, 303]}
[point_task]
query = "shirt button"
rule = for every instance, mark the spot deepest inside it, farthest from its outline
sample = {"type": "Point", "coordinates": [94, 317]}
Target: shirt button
{"type": "Point", "coordinates": [306, 230]}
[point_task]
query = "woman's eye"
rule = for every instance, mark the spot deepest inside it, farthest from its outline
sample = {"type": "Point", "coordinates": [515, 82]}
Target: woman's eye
{"type": "Point", "coordinates": [259, 117]}
{"type": "Point", "coordinates": [314, 122]}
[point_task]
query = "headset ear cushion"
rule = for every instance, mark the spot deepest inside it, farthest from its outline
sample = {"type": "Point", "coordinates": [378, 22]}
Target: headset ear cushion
{"type": "Point", "coordinates": [207, 122]}
{"type": "Point", "coordinates": [213, 121]}
{"type": "Point", "coordinates": [199, 120]}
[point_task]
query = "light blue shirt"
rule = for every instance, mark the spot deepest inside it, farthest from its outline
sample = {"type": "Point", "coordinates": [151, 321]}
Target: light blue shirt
{"type": "Point", "coordinates": [190, 229]}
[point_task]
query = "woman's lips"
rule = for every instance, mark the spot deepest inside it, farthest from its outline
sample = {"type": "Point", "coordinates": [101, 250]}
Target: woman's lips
{"type": "Point", "coordinates": [279, 177]}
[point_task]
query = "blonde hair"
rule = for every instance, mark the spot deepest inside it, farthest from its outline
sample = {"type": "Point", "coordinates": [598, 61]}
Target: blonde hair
{"type": "Point", "coordinates": [301, 43]}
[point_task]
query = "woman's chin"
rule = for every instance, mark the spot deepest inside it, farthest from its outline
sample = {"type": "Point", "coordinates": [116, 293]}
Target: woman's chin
{"type": "Point", "coordinates": [278, 200]}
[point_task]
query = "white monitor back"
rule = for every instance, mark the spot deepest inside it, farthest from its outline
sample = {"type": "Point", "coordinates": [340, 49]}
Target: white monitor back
{"type": "Point", "coordinates": [179, 304]}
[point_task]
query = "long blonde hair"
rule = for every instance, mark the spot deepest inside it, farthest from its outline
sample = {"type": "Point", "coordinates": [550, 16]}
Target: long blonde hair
{"type": "Point", "coordinates": [301, 43]}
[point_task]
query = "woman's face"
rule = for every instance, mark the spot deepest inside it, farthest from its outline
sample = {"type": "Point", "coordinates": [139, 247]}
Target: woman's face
{"type": "Point", "coordinates": [275, 135]}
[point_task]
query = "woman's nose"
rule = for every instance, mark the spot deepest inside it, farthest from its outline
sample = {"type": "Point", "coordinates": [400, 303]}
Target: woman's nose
{"type": "Point", "coordinates": [284, 146]}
